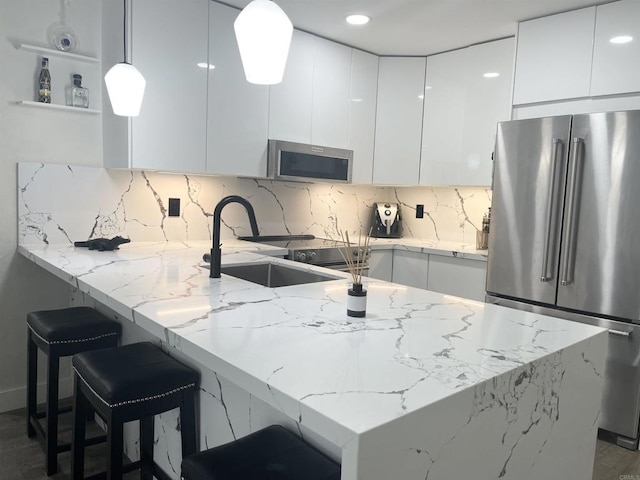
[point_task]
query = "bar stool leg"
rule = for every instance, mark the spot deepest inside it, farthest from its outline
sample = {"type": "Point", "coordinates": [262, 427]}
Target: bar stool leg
{"type": "Point", "coordinates": [188, 423]}
{"type": "Point", "coordinates": [78, 432]}
{"type": "Point", "coordinates": [146, 447]}
{"type": "Point", "coordinates": [32, 383]}
{"type": "Point", "coordinates": [51, 452]}
{"type": "Point", "coordinates": [114, 445]}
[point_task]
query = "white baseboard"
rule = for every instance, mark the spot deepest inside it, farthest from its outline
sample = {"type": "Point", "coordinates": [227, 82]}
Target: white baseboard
{"type": "Point", "coordinates": [16, 398]}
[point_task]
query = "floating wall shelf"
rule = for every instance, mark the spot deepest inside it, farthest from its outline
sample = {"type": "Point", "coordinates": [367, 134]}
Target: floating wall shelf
{"type": "Point", "coordinates": [54, 106]}
{"type": "Point", "coordinates": [57, 53]}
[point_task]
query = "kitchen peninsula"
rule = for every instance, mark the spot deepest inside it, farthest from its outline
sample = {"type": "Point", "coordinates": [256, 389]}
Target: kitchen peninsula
{"type": "Point", "coordinates": [426, 386]}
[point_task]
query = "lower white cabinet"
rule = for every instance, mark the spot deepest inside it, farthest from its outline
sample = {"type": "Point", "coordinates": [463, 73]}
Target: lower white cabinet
{"type": "Point", "coordinates": [461, 277]}
{"type": "Point", "coordinates": [410, 268]}
{"type": "Point", "coordinates": [381, 265]}
{"type": "Point", "coordinates": [457, 276]}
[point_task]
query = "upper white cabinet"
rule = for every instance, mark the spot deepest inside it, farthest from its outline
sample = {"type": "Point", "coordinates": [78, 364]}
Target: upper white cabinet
{"type": "Point", "coordinates": [291, 102]}
{"type": "Point", "coordinates": [238, 111]}
{"type": "Point", "coordinates": [168, 42]}
{"type": "Point", "coordinates": [467, 92]}
{"type": "Point", "coordinates": [331, 91]}
{"type": "Point", "coordinates": [362, 114]}
{"type": "Point", "coordinates": [399, 120]}
{"type": "Point", "coordinates": [554, 57]}
{"type": "Point", "coordinates": [615, 65]}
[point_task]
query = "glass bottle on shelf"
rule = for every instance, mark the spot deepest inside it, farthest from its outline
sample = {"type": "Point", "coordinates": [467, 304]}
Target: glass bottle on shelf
{"type": "Point", "coordinates": [44, 82]}
{"type": "Point", "coordinates": [77, 95]}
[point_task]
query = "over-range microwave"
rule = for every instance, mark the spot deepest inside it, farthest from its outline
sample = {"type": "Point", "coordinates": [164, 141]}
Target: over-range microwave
{"type": "Point", "coordinates": [308, 163]}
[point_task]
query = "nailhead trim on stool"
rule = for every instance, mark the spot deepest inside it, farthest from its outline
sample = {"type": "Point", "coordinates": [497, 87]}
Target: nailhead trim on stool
{"type": "Point", "coordinates": [60, 333]}
{"type": "Point", "coordinates": [132, 382]}
{"type": "Point", "coordinates": [272, 453]}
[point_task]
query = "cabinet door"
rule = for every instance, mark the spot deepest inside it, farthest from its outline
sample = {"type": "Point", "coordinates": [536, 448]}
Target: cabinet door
{"type": "Point", "coordinates": [290, 102]}
{"type": "Point", "coordinates": [410, 268]}
{"type": "Point", "coordinates": [462, 108]}
{"type": "Point", "coordinates": [457, 276]}
{"type": "Point", "coordinates": [615, 65]}
{"type": "Point", "coordinates": [554, 57]}
{"type": "Point", "coordinates": [238, 111]}
{"type": "Point", "coordinates": [331, 79]}
{"type": "Point", "coordinates": [169, 39]}
{"type": "Point", "coordinates": [399, 120]}
{"type": "Point", "coordinates": [362, 114]}
{"type": "Point", "coordinates": [381, 265]}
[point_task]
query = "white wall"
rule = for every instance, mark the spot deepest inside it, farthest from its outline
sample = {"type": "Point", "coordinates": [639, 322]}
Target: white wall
{"type": "Point", "coordinates": [30, 134]}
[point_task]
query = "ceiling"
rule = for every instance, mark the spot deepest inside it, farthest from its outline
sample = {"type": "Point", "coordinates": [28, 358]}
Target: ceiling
{"type": "Point", "coordinates": [417, 27]}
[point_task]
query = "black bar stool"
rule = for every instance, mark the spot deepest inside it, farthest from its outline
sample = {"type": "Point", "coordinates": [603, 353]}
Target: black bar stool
{"type": "Point", "coordinates": [272, 453]}
{"type": "Point", "coordinates": [60, 333]}
{"type": "Point", "coordinates": [133, 382]}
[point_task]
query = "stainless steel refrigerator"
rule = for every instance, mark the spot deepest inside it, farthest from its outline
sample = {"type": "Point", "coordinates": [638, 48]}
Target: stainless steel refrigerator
{"type": "Point", "coordinates": [565, 237]}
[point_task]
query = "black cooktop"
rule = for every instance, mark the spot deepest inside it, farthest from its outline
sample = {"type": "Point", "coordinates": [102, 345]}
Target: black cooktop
{"type": "Point", "coordinates": [293, 242]}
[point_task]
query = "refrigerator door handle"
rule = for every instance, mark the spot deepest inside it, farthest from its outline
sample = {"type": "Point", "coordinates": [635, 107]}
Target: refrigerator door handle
{"type": "Point", "coordinates": [620, 333]}
{"type": "Point", "coordinates": [573, 200]}
{"type": "Point", "coordinates": [550, 232]}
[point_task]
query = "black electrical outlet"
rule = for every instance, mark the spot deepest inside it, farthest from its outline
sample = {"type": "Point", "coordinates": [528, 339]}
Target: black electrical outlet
{"type": "Point", "coordinates": [174, 207]}
{"type": "Point", "coordinates": [419, 211]}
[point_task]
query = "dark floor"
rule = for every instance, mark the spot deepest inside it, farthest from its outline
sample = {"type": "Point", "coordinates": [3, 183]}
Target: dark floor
{"type": "Point", "coordinates": [21, 458]}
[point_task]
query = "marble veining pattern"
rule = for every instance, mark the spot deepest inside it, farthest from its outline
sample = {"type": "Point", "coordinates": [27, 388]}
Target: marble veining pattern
{"type": "Point", "coordinates": [59, 204]}
{"type": "Point", "coordinates": [293, 354]}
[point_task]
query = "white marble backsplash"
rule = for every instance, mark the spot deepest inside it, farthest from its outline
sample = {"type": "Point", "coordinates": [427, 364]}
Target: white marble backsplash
{"type": "Point", "coordinates": [60, 204]}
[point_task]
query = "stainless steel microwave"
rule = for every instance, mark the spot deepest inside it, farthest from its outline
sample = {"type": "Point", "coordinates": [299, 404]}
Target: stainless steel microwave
{"type": "Point", "coordinates": [300, 162]}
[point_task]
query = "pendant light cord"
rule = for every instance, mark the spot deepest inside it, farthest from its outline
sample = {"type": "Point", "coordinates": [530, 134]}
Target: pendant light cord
{"type": "Point", "coordinates": [124, 30]}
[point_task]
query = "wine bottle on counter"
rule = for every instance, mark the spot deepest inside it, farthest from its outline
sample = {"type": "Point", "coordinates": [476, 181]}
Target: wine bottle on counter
{"type": "Point", "coordinates": [44, 88]}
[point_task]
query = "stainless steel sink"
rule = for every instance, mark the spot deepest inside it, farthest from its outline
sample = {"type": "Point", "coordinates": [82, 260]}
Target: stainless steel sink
{"type": "Point", "coordinates": [274, 274]}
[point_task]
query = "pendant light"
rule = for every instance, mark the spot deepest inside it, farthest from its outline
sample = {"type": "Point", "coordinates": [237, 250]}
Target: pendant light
{"type": "Point", "coordinates": [263, 32]}
{"type": "Point", "coordinates": [125, 84]}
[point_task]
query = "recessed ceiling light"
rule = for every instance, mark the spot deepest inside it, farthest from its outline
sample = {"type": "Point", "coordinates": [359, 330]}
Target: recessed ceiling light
{"type": "Point", "coordinates": [205, 65]}
{"type": "Point", "coordinates": [621, 39]}
{"type": "Point", "coordinates": [357, 19]}
{"type": "Point", "coordinates": [491, 75]}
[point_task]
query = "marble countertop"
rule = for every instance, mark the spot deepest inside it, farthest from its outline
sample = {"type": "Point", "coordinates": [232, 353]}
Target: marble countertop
{"type": "Point", "coordinates": [433, 247]}
{"type": "Point", "coordinates": [295, 348]}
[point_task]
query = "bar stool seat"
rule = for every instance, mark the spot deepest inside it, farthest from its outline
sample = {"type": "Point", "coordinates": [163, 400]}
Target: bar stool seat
{"type": "Point", "coordinates": [60, 333]}
{"type": "Point", "coordinates": [272, 453]}
{"type": "Point", "coordinates": [132, 382]}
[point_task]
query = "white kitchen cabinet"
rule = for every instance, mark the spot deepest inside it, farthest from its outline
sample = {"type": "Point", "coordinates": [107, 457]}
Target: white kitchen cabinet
{"type": "Point", "coordinates": [554, 55]}
{"type": "Point", "coordinates": [410, 268]}
{"type": "Point", "coordinates": [462, 108]}
{"type": "Point", "coordinates": [457, 276]}
{"type": "Point", "coordinates": [615, 65]}
{"type": "Point", "coordinates": [362, 114]}
{"type": "Point", "coordinates": [291, 101]}
{"type": "Point", "coordinates": [331, 91]}
{"type": "Point", "coordinates": [399, 120]}
{"type": "Point", "coordinates": [381, 265]}
{"type": "Point", "coordinates": [169, 39]}
{"type": "Point", "coordinates": [238, 111]}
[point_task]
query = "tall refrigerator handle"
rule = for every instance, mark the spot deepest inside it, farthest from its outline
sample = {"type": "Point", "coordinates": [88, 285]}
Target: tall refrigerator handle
{"type": "Point", "coordinates": [550, 231]}
{"type": "Point", "coordinates": [573, 200]}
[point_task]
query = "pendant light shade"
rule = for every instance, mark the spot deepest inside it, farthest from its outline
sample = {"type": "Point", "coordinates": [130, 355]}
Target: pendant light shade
{"type": "Point", "coordinates": [263, 32]}
{"type": "Point", "coordinates": [125, 85]}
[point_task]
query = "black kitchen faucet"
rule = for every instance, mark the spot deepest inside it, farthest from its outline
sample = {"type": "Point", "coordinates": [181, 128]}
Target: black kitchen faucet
{"type": "Point", "coordinates": [214, 271]}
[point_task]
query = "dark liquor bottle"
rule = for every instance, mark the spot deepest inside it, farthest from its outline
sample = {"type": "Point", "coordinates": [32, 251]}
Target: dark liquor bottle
{"type": "Point", "coordinates": [44, 90]}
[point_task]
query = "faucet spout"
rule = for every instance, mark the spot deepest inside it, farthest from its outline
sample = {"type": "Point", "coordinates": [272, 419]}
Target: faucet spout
{"type": "Point", "coordinates": [216, 254]}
